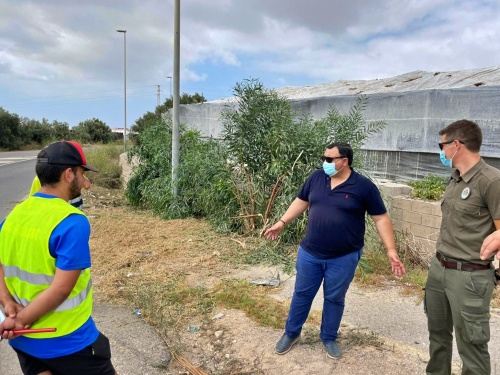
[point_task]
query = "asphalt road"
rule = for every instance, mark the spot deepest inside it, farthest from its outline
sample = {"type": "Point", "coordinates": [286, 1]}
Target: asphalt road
{"type": "Point", "coordinates": [17, 170]}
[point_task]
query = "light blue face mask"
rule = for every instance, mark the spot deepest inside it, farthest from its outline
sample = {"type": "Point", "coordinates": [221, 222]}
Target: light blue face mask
{"type": "Point", "coordinates": [329, 168]}
{"type": "Point", "coordinates": [446, 162]}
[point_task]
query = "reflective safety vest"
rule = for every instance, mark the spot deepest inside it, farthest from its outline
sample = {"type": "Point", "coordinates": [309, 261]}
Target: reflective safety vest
{"type": "Point", "coordinates": [35, 186]}
{"type": "Point", "coordinates": [29, 268]}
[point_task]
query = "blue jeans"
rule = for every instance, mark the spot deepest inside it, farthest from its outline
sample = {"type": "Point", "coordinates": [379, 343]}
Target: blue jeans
{"type": "Point", "coordinates": [337, 274]}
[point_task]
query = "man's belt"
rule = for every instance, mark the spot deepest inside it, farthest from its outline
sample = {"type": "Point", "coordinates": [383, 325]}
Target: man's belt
{"type": "Point", "coordinates": [461, 266]}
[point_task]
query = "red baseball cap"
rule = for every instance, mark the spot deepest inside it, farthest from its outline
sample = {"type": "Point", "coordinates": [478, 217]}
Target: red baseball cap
{"type": "Point", "coordinates": [64, 153]}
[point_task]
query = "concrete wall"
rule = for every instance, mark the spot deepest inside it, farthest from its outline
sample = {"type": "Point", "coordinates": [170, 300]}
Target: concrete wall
{"type": "Point", "coordinates": [416, 222]}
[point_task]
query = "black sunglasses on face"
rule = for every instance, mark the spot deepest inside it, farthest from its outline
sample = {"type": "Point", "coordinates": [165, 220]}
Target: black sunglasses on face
{"type": "Point", "coordinates": [330, 160]}
{"type": "Point", "coordinates": [447, 143]}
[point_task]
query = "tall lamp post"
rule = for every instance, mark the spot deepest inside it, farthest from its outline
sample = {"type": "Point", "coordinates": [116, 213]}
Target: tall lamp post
{"type": "Point", "coordinates": [124, 88]}
{"type": "Point", "coordinates": [175, 111]}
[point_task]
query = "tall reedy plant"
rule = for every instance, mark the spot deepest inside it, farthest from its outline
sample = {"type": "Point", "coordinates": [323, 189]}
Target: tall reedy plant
{"type": "Point", "coordinates": [272, 149]}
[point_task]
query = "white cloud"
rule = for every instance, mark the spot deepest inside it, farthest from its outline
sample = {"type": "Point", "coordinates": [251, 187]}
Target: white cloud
{"type": "Point", "coordinates": [64, 46]}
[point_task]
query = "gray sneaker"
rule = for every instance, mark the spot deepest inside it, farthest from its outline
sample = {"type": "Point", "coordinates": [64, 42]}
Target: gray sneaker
{"type": "Point", "coordinates": [285, 344]}
{"type": "Point", "coordinates": [332, 349]}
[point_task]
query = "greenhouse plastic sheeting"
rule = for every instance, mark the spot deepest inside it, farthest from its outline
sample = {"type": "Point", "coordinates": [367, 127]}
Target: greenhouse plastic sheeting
{"type": "Point", "coordinates": [415, 106]}
{"type": "Point", "coordinates": [407, 166]}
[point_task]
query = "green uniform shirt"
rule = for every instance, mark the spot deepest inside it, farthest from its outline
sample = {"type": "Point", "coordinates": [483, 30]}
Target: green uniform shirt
{"type": "Point", "coordinates": [470, 204]}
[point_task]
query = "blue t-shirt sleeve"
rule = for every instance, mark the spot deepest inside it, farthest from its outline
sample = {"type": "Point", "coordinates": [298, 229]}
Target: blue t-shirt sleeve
{"type": "Point", "coordinates": [373, 200]}
{"type": "Point", "coordinates": [69, 243]}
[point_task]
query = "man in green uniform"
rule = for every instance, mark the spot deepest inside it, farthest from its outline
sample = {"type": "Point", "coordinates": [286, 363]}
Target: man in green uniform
{"type": "Point", "coordinates": [460, 283]}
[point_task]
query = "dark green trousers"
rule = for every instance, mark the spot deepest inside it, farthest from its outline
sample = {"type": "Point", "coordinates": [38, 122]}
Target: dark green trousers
{"type": "Point", "coordinates": [460, 301]}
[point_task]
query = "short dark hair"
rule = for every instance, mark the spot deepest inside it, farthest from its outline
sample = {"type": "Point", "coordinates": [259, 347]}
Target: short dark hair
{"type": "Point", "coordinates": [345, 150]}
{"type": "Point", "coordinates": [50, 174]}
{"type": "Point", "coordinates": [466, 131]}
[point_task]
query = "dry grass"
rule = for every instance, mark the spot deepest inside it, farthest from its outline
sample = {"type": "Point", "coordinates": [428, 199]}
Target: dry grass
{"type": "Point", "coordinates": [175, 272]}
{"type": "Point", "coordinates": [413, 249]}
{"type": "Point", "coordinates": [495, 299]}
{"type": "Point", "coordinates": [349, 336]}
{"type": "Point", "coordinates": [170, 270]}
{"type": "Point", "coordinates": [130, 246]}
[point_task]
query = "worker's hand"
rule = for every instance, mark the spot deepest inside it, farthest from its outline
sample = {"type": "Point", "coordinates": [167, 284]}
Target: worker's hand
{"type": "Point", "coordinates": [272, 233]}
{"type": "Point", "coordinates": [397, 266]}
{"type": "Point", "coordinates": [11, 308]}
{"type": "Point", "coordinates": [490, 245]}
{"type": "Point", "coordinates": [7, 327]}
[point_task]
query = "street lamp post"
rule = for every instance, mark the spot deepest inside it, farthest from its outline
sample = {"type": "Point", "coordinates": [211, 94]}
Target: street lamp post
{"type": "Point", "coordinates": [124, 88]}
{"type": "Point", "coordinates": [176, 97]}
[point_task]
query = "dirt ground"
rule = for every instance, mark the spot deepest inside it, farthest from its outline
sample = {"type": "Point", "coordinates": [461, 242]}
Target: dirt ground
{"type": "Point", "coordinates": [131, 249]}
{"type": "Point", "coordinates": [245, 348]}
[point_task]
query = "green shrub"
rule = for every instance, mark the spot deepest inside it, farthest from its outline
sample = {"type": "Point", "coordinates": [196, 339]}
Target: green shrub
{"type": "Point", "coordinates": [245, 182]}
{"type": "Point", "coordinates": [203, 177]}
{"type": "Point", "coordinates": [430, 187]}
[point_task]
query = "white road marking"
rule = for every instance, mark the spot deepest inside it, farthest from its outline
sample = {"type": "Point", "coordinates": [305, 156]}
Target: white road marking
{"type": "Point", "coordinates": [5, 161]}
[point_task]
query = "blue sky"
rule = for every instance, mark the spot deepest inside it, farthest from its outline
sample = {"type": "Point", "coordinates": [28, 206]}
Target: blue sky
{"type": "Point", "coordinates": [63, 59]}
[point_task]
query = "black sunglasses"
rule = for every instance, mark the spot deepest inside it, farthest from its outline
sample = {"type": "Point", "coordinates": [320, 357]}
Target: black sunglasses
{"type": "Point", "coordinates": [329, 160]}
{"type": "Point", "coordinates": [447, 143]}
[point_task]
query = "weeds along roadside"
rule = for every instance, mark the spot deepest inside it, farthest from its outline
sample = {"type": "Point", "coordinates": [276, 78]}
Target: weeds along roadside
{"type": "Point", "coordinates": [105, 158]}
{"type": "Point", "coordinates": [166, 299]}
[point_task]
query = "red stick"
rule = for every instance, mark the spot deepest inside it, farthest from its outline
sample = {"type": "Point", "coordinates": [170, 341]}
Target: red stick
{"type": "Point", "coordinates": [36, 330]}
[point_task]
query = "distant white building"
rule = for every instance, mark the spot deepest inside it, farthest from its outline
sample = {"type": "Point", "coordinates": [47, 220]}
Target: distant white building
{"type": "Point", "coordinates": [119, 132]}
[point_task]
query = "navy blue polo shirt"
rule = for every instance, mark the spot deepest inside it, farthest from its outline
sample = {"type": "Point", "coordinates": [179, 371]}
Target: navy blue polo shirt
{"type": "Point", "coordinates": [336, 223]}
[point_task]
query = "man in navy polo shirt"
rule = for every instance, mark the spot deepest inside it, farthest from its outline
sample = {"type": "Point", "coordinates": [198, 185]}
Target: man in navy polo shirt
{"type": "Point", "coordinates": [338, 199]}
